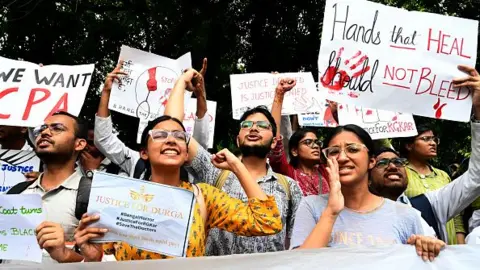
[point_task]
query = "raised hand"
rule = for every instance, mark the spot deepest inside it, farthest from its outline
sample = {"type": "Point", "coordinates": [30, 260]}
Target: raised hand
{"type": "Point", "coordinates": [427, 247]}
{"type": "Point", "coordinates": [114, 75]}
{"type": "Point", "coordinates": [336, 201]}
{"type": "Point", "coordinates": [225, 160]}
{"type": "Point", "coordinates": [285, 85]}
{"type": "Point", "coordinates": [91, 252]}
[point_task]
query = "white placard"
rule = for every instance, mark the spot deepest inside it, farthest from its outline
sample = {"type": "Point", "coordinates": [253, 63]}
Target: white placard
{"type": "Point", "coordinates": [189, 120]}
{"type": "Point", "coordinates": [387, 58]}
{"type": "Point", "coordinates": [30, 93]}
{"type": "Point", "coordinates": [145, 90]}
{"type": "Point", "coordinates": [144, 214]}
{"type": "Point", "coordinates": [378, 123]}
{"type": "Point", "coordinates": [255, 89]}
{"type": "Point", "coordinates": [19, 217]}
{"type": "Point", "coordinates": [13, 165]}
{"type": "Point", "coordinates": [321, 118]}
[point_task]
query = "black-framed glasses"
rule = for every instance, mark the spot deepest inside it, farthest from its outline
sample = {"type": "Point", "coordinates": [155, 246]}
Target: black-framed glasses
{"type": "Point", "coordinates": [311, 143]}
{"type": "Point", "coordinates": [349, 150]}
{"type": "Point", "coordinates": [428, 139]}
{"type": "Point", "coordinates": [247, 124]}
{"type": "Point", "coordinates": [55, 128]}
{"type": "Point", "coordinates": [160, 135]}
{"type": "Point", "coordinates": [397, 162]}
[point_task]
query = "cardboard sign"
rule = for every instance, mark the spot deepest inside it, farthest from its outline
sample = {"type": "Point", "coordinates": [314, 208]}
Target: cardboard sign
{"type": "Point", "coordinates": [13, 165]}
{"type": "Point", "coordinates": [387, 58]}
{"type": "Point", "coordinates": [144, 214]}
{"type": "Point", "coordinates": [30, 93]}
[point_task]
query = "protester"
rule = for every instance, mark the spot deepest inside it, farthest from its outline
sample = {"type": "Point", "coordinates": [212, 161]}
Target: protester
{"type": "Point", "coordinates": [166, 147]}
{"type": "Point", "coordinates": [350, 215]}
{"type": "Point", "coordinates": [255, 139]}
{"type": "Point", "coordinates": [422, 177]}
{"type": "Point", "coordinates": [115, 150]}
{"type": "Point", "coordinates": [91, 159]}
{"type": "Point", "coordinates": [14, 138]}
{"type": "Point", "coordinates": [304, 150]}
{"type": "Point", "coordinates": [58, 144]}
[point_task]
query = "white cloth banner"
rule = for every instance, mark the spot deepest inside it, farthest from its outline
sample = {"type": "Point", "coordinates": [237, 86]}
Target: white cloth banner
{"type": "Point", "coordinates": [255, 89]}
{"type": "Point", "coordinates": [387, 58]}
{"type": "Point", "coordinates": [378, 123]}
{"type": "Point", "coordinates": [29, 93]}
{"type": "Point", "coordinates": [144, 92]}
{"type": "Point", "coordinates": [13, 165]}
{"type": "Point", "coordinates": [19, 217]}
{"type": "Point", "coordinates": [144, 214]}
{"type": "Point", "coordinates": [398, 257]}
{"type": "Point", "coordinates": [189, 120]}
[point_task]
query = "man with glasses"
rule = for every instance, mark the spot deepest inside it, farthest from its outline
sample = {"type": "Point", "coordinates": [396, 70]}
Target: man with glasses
{"type": "Point", "coordinates": [58, 143]}
{"type": "Point", "coordinates": [389, 179]}
{"type": "Point", "coordinates": [423, 177]}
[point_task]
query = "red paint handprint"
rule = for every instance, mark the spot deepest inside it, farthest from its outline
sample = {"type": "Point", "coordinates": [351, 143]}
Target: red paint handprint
{"type": "Point", "coordinates": [336, 78]}
{"type": "Point", "coordinates": [438, 108]}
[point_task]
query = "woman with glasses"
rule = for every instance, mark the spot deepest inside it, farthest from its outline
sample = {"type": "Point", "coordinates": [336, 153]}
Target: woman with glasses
{"type": "Point", "coordinates": [304, 150]}
{"type": "Point", "coordinates": [350, 215]}
{"type": "Point", "coordinates": [423, 177]}
{"type": "Point", "coordinates": [165, 145]}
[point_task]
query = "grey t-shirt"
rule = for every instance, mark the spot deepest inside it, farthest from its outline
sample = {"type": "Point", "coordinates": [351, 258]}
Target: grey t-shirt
{"type": "Point", "coordinates": [391, 223]}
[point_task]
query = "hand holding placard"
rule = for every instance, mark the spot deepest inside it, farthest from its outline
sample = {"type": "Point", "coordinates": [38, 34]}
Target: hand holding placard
{"type": "Point", "coordinates": [92, 252]}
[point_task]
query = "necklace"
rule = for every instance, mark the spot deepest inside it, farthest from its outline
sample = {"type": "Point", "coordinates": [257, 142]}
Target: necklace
{"type": "Point", "coordinates": [368, 211]}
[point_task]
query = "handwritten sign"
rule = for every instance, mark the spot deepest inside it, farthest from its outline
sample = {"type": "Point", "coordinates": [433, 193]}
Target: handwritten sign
{"type": "Point", "coordinates": [255, 89]}
{"type": "Point", "coordinates": [13, 164]}
{"type": "Point", "coordinates": [189, 120]}
{"type": "Point", "coordinates": [378, 123]}
{"type": "Point", "coordinates": [19, 216]}
{"type": "Point", "coordinates": [387, 58]}
{"type": "Point", "coordinates": [323, 118]}
{"type": "Point", "coordinates": [144, 92]}
{"type": "Point", "coordinates": [144, 214]}
{"type": "Point", "coordinates": [30, 93]}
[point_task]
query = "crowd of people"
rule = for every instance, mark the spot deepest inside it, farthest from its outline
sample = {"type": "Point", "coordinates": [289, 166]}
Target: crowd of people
{"type": "Point", "coordinates": [283, 191]}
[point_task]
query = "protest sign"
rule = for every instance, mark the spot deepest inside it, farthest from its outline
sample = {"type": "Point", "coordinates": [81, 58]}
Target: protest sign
{"type": "Point", "coordinates": [321, 118]}
{"type": "Point", "coordinates": [29, 93]}
{"type": "Point", "coordinates": [144, 91]}
{"type": "Point", "coordinates": [378, 123]}
{"type": "Point", "coordinates": [387, 58]}
{"type": "Point", "coordinates": [144, 214]}
{"type": "Point", "coordinates": [189, 120]}
{"type": "Point", "coordinates": [19, 217]}
{"type": "Point", "coordinates": [255, 89]}
{"type": "Point", "coordinates": [13, 164]}
{"type": "Point", "coordinates": [190, 116]}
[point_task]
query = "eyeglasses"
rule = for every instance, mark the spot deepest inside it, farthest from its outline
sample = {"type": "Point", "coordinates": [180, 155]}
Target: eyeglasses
{"type": "Point", "coordinates": [349, 150]}
{"type": "Point", "coordinates": [55, 128]}
{"type": "Point", "coordinates": [260, 124]}
{"type": "Point", "coordinates": [397, 162]}
{"type": "Point", "coordinates": [160, 135]}
{"type": "Point", "coordinates": [311, 143]}
{"type": "Point", "coordinates": [430, 139]}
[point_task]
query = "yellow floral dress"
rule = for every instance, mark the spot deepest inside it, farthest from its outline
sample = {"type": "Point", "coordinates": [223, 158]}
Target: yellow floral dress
{"type": "Point", "coordinates": [254, 218]}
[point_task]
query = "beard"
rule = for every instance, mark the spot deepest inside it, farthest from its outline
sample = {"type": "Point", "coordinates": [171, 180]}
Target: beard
{"type": "Point", "coordinates": [259, 151]}
{"type": "Point", "coordinates": [59, 156]}
{"type": "Point", "coordinates": [387, 191]}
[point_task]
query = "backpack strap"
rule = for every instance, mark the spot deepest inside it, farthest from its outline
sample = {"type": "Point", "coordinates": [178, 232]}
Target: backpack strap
{"type": "Point", "coordinates": [201, 203]}
{"type": "Point", "coordinates": [221, 179]}
{"type": "Point", "coordinates": [139, 169]}
{"type": "Point", "coordinates": [83, 195]}
{"type": "Point", "coordinates": [282, 180]}
{"type": "Point", "coordinates": [20, 187]}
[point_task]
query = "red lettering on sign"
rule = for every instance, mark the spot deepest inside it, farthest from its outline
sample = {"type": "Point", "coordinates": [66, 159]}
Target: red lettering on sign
{"type": "Point", "coordinates": [4, 93]}
{"type": "Point", "coordinates": [62, 105]}
{"type": "Point", "coordinates": [445, 45]}
{"type": "Point", "coordinates": [32, 101]}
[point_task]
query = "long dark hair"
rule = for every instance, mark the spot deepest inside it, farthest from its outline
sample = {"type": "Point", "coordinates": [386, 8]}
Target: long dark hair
{"type": "Point", "coordinates": [294, 141]}
{"type": "Point", "coordinates": [144, 144]}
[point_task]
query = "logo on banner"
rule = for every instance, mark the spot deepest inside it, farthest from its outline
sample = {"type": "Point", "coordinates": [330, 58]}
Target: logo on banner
{"type": "Point", "coordinates": [141, 195]}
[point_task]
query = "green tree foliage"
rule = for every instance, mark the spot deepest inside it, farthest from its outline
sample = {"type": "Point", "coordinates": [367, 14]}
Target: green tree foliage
{"type": "Point", "coordinates": [236, 36]}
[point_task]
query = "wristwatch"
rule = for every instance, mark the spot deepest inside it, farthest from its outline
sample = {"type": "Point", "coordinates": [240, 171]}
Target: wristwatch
{"type": "Point", "coordinates": [89, 174]}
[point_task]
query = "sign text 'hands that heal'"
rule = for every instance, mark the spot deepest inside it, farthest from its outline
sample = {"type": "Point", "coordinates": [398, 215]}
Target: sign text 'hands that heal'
{"type": "Point", "coordinates": [387, 58]}
{"type": "Point", "coordinates": [30, 93]}
{"type": "Point", "coordinates": [144, 214]}
{"type": "Point", "coordinates": [19, 217]}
